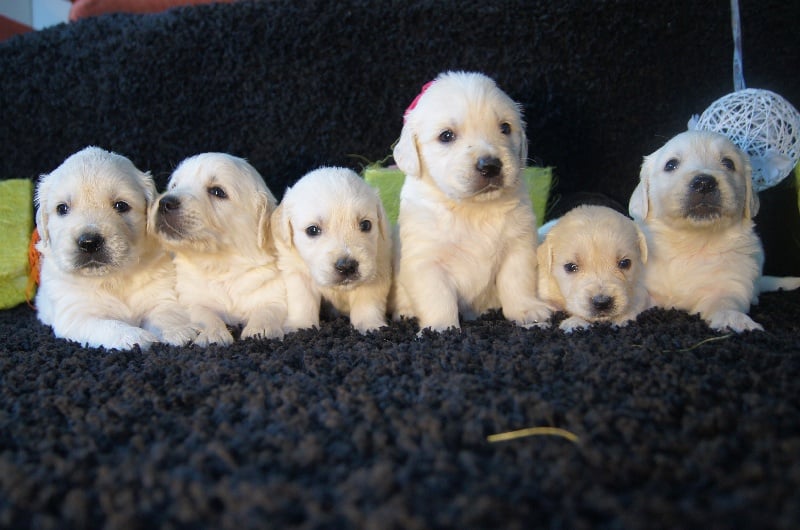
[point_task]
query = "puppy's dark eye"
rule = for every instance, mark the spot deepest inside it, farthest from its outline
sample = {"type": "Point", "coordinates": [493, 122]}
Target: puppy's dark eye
{"type": "Point", "coordinates": [624, 264]}
{"type": "Point", "coordinates": [671, 165]}
{"type": "Point", "coordinates": [62, 209]}
{"type": "Point", "coordinates": [122, 206]}
{"type": "Point", "coordinates": [505, 128]}
{"type": "Point", "coordinates": [365, 225]}
{"type": "Point", "coordinates": [217, 192]}
{"type": "Point", "coordinates": [447, 136]}
{"type": "Point", "coordinates": [728, 164]}
{"type": "Point", "coordinates": [571, 268]}
{"type": "Point", "coordinates": [313, 231]}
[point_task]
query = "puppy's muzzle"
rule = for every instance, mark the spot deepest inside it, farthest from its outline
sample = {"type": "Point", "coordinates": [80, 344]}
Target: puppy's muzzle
{"type": "Point", "coordinates": [346, 268]}
{"type": "Point", "coordinates": [168, 219]}
{"type": "Point", "coordinates": [168, 204]}
{"type": "Point", "coordinates": [703, 198]}
{"type": "Point", "coordinates": [602, 304]}
{"type": "Point", "coordinates": [92, 250]}
{"type": "Point", "coordinates": [490, 169]}
{"type": "Point", "coordinates": [90, 242]}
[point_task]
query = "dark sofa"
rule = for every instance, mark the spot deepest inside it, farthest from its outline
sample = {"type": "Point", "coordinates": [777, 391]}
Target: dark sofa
{"type": "Point", "coordinates": [677, 426]}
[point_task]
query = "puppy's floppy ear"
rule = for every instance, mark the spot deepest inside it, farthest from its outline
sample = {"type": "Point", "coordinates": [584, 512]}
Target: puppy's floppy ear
{"type": "Point", "coordinates": [547, 285]}
{"type": "Point", "coordinates": [523, 141]}
{"type": "Point", "coordinates": [751, 202]}
{"type": "Point", "coordinates": [265, 207]}
{"type": "Point", "coordinates": [406, 153]}
{"type": "Point", "coordinates": [148, 185]}
{"type": "Point", "coordinates": [383, 222]}
{"type": "Point", "coordinates": [42, 215]}
{"type": "Point", "coordinates": [281, 226]}
{"type": "Point", "coordinates": [544, 256]}
{"type": "Point", "coordinates": [523, 148]}
{"type": "Point", "coordinates": [642, 240]}
{"type": "Point", "coordinates": [639, 204]}
{"type": "Point", "coordinates": [150, 193]}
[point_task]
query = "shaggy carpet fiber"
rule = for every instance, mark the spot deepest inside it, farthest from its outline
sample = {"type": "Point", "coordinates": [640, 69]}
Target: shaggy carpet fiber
{"type": "Point", "coordinates": [676, 427]}
{"type": "Point", "coordinates": [664, 423]}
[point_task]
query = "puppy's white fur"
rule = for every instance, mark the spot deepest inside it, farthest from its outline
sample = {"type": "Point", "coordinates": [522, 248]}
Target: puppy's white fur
{"type": "Point", "coordinates": [334, 244]}
{"type": "Point", "coordinates": [467, 232]}
{"type": "Point", "coordinates": [104, 280]}
{"type": "Point", "coordinates": [215, 218]}
{"type": "Point", "coordinates": [695, 204]}
{"type": "Point", "coordinates": [591, 266]}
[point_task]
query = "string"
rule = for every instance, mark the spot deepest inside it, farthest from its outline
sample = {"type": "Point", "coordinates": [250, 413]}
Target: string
{"type": "Point", "coordinates": [738, 75]}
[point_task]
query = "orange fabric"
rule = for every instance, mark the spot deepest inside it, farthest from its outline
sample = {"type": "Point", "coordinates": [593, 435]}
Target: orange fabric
{"type": "Point", "coordinates": [34, 263]}
{"type": "Point", "coordinates": [89, 8]}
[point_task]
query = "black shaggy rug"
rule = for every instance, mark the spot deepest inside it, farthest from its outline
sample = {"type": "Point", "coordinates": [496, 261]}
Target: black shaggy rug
{"type": "Point", "coordinates": [663, 423]}
{"type": "Point", "coordinates": [676, 426]}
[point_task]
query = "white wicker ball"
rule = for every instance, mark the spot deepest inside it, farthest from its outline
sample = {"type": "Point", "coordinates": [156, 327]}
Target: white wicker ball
{"type": "Point", "coordinates": [764, 125]}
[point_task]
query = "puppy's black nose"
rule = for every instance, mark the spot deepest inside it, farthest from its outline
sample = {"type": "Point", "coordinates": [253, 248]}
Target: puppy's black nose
{"type": "Point", "coordinates": [703, 184]}
{"type": "Point", "coordinates": [489, 166]}
{"type": "Point", "coordinates": [347, 267]}
{"type": "Point", "coordinates": [90, 242]}
{"type": "Point", "coordinates": [602, 302]}
{"type": "Point", "coordinates": [168, 203]}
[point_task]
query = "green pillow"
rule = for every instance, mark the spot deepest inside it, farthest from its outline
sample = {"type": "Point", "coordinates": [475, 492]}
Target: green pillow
{"type": "Point", "coordinates": [16, 225]}
{"type": "Point", "coordinates": [388, 182]}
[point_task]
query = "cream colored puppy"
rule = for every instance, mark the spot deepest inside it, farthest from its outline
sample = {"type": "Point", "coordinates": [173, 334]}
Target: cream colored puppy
{"type": "Point", "coordinates": [334, 244]}
{"type": "Point", "coordinates": [591, 266]}
{"type": "Point", "coordinates": [467, 232]}
{"type": "Point", "coordinates": [215, 218]}
{"type": "Point", "coordinates": [695, 204]}
{"type": "Point", "coordinates": [104, 280]}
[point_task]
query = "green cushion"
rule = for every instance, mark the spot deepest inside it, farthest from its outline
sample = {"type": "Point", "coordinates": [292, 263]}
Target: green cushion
{"type": "Point", "coordinates": [388, 182]}
{"type": "Point", "coordinates": [16, 225]}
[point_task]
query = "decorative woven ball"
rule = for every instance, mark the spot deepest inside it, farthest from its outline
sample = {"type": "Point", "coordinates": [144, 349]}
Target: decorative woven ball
{"type": "Point", "coordinates": [764, 125]}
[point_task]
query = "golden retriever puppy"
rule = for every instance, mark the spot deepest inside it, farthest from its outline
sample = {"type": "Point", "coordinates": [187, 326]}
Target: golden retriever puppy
{"type": "Point", "coordinates": [591, 266]}
{"type": "Point", "coordinates": [466, 229]}
{"type": "Point", "coordinates": [695, 204]}
{"type": "Point", "coordinates": [215, 218]}
{"type": "Point", "coordinates": [334, 245]}
{"type": "Point", "coordinates": [104, 280]}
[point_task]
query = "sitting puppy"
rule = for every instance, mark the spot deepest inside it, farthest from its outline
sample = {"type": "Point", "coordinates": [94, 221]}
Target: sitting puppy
{"type": "Point", "coordinates": [695, 204]}
{"type": "Point", "coordinates": [467, 231]}
{"type": "Point", "coordinates": [590, 265]}
{"type": "Point", "coordinates": [104, 280]}
{"type": "Point", "coordinates": [333, 244]}
{"type": "Point", "coordinates": [215, 217]}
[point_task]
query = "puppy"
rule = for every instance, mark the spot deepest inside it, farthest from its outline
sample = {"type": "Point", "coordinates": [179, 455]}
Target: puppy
{"type": "Point", "coordinates": [467, 232]}
{"type": "Point", "coordinates": [104, 280]}
{"type": "Point", "coordinates": [215, 218]}
{"type": "Point", "coordinates": [334, 245]}
{"type": "Point", "coordinates": [590, 265]}
{"type": "Point", "coordinates": [695, 204]}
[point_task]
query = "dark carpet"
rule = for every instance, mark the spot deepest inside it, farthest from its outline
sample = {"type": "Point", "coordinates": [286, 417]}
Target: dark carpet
{"type": "Point", "coordinates": [677, 426]}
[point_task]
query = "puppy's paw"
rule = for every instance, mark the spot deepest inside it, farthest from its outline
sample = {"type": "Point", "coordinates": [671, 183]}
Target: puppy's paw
{"type": "Point", "coordinates": [535, 314]}
{"type": "Point", "coordinates": [178, 335]}
{"type": "Point", "coordinates": [568, 325]}
{"type": "Point", "coordinates": [365, 325]}
{"type": "Point", "coordinates": [218, 335]}
{"type": "Point", "coordinates": [296, 325]}
{"type": "Point", "coordinates": [732, 320]}
{"type": "Point", "coordinates": [440, 327]}
{"type": "Point", "coordinates": [251, 331]}
{"type": "Point", "coordinates": [130, 336]}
